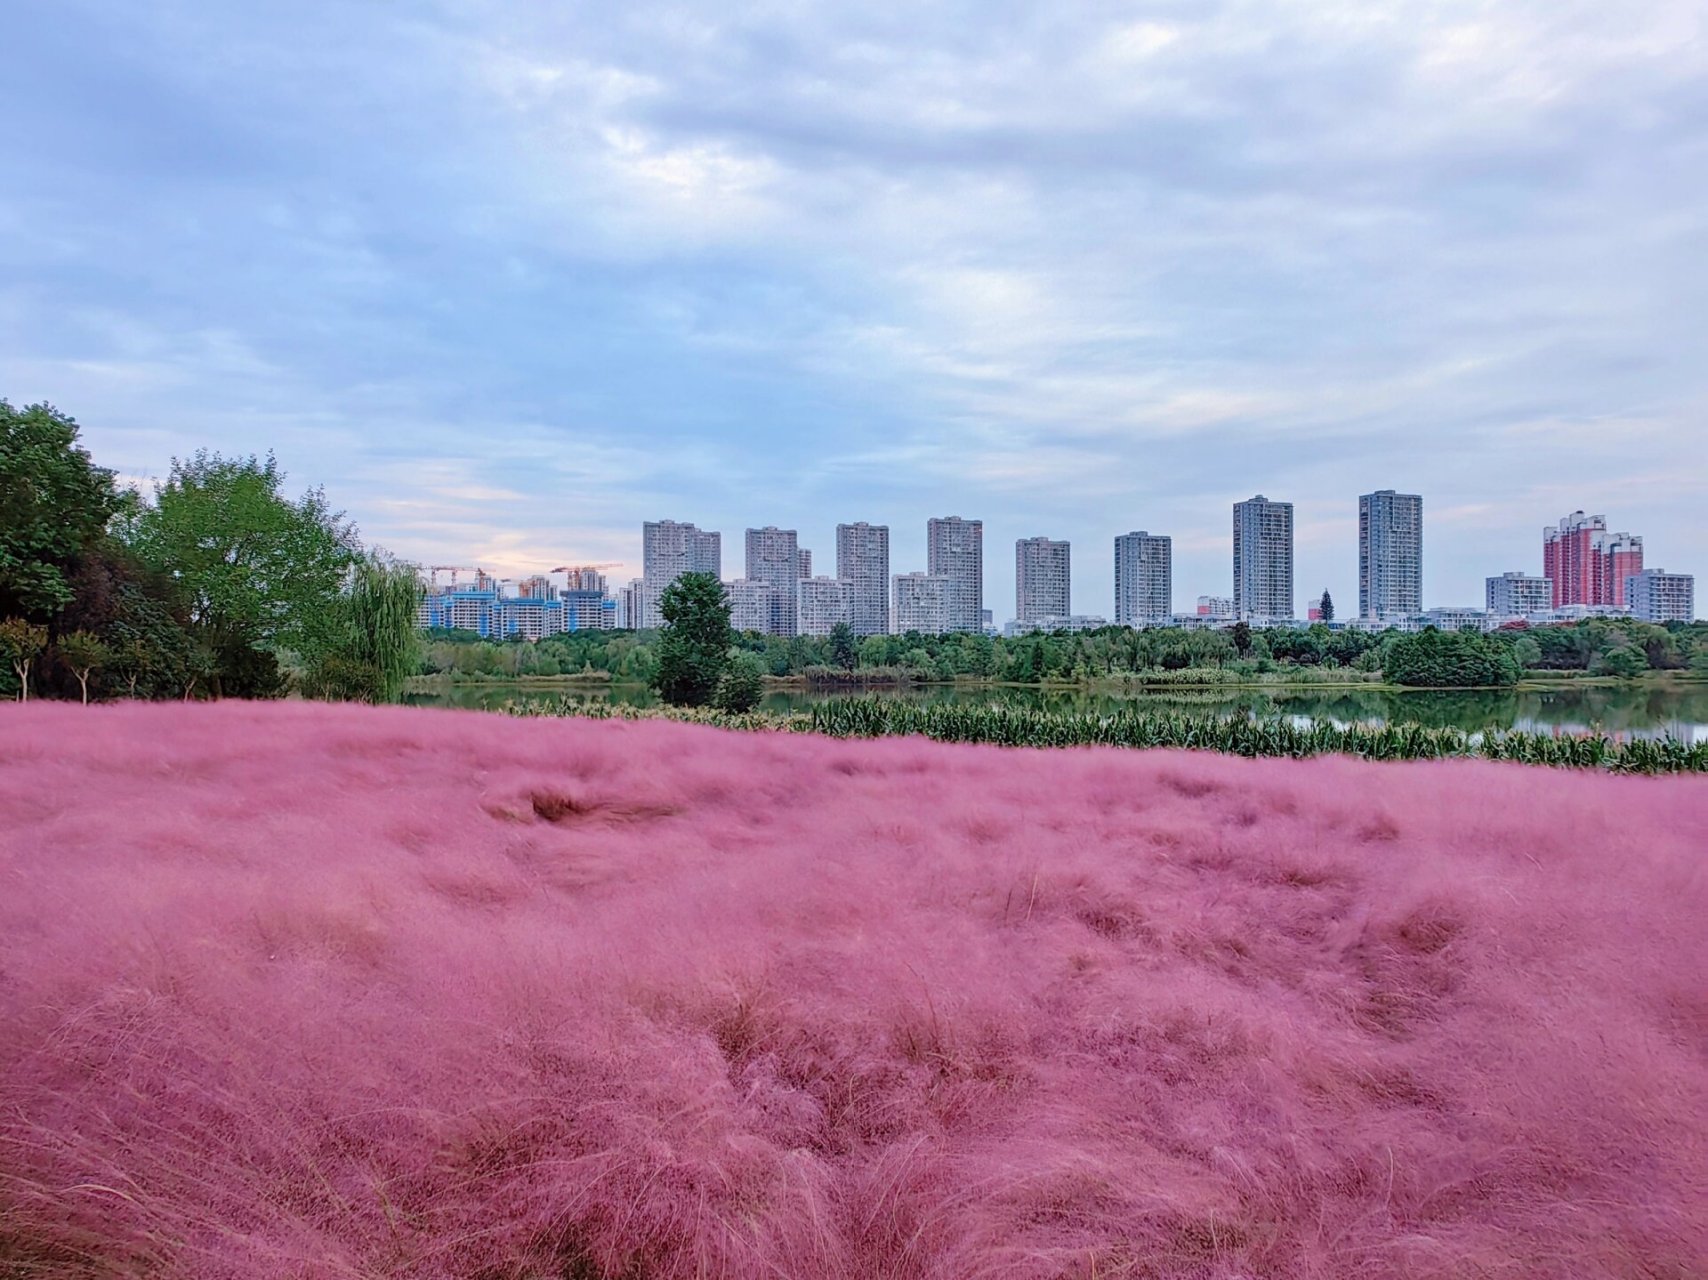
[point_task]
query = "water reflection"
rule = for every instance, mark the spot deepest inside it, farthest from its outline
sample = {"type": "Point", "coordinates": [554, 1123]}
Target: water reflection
{"type": "Point", "coordinates": [1640, 710]}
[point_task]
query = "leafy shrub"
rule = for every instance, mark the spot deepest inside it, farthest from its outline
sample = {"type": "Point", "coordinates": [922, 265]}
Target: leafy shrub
{"type": "Point", "coordinates": [742, 684]}
{"type": "Point", "coordinates": [1622, 660]}
{"type": "Point", "coordinates": [335, 677]}
{"type": "Point", "coordinates": [1449, 660]}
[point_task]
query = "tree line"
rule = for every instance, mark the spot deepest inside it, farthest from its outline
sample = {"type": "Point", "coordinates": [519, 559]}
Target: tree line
{"type": "Point", "coordinates": [1434, 659]}
{"type": "Point", "coordinates": [217, 584]}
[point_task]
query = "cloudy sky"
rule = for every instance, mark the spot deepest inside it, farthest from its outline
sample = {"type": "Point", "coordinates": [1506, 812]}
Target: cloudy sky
{"type": "Point", "coordinates": [510, 277]}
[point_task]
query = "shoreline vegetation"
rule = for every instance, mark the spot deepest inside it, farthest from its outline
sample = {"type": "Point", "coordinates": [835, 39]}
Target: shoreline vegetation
{"type": "Point", "coordinates": [1278, 737]}
{"type": "Point", "coordinates": [1596, 650]}
{"type": "Point", "coordinates": [1201, 678]}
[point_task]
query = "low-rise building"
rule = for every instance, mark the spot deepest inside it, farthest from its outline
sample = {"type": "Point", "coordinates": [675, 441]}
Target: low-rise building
{"type": "Point", "coordinates": [1462, 618]}
{"type": "Point", "coordinates": [1071, 622]}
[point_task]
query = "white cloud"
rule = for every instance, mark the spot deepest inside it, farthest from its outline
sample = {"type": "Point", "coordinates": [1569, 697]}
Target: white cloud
{"type": "Point", "coordinates": [539, 272]}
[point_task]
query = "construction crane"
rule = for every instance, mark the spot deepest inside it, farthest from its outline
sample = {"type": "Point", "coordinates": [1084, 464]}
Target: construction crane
{"type": "Point", "coordinates": [434, 570]}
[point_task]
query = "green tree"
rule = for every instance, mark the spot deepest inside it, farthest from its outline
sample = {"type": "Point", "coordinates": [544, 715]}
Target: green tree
{"type": "Point", "coordinates": [844, 649]}
{"type": "Point", "coordinates": [84, 654]}
{"type": "Point", "coordinates": [1624, 661]}
{"type": "Point", "coordinates": [21, 643]}
{"type": "Point", "coordinates": [376, 646]}
{"type": "Point", "coordinates": [693, 646]}
{"type": "Point", "coordinates": [875, 651]}
{"type": "Point", "coordinates": [1326, 606]}
{"type": "Point", "coordinates": [194, 665]}
{"type": "Point", "coordinates": [134, 660]}
{"type": "Point", "coordinates": [742, 684]}
{"type": "Point", "coordinates": [133, 611]}
{"type": "Point", "coordinates": [1240, 634]}
{"type": "Point", "coordinates": [1449, 660]}
{"type": "Point", "coordinates": [259, 572]}
{"type": "Point", "coordinates": [53, 501]}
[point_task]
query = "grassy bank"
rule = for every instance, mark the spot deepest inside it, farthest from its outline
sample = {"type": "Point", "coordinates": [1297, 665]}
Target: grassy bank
{"type": "Point", "coordinates": [1277, 736]}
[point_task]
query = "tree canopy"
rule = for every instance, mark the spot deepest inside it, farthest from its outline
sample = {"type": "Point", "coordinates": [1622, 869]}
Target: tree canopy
{"type": "Point", "coordinates": [257, 570]}
{"type": "Point", "coordinates": [1449, 660]}
{"type": "Point", "coordinates": [54, 501]}
{"type": "Point", "coordinates": [693, 647]}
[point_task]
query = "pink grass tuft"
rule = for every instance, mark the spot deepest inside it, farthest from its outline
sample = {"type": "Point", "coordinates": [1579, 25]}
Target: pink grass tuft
{"type": "Point", "coordinates": [294, 990]}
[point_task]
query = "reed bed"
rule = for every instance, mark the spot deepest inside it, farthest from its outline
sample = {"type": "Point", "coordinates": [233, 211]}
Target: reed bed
{"type": "Point", "coordinates": [1279, 737]}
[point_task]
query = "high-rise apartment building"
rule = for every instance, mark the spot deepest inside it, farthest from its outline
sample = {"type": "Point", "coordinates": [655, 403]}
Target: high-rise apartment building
{"type": "Point", "coordinates": [1570, 558]}
{"type": "Point", "coordinates": [774, 558]}
{"type": "Point", "coordinates": [1622, 559]}
{"type": "Point", "coordinates": [954, 549]}
{"type": "Point", "coordinates": [921, 604]}
{"type": "Point", "coordinates": [670, 549]}
{"type": "Point", "coordinates": [629, 609]}
{"type": "Point", "coordinates": [1589, 565]}
{"type": "Point", "coordinates": [1518, 595]}
{"type": "Point", "coordinates": [1263, 559]}
{"type": "Point", "coordinates": [582, 578]}
{"type": "Point", "coordinates": [806, 563]}
{"type": "Point", "coordinates": [1658, 596]}
{"type": "Point", "coordinates": [821, 603]}
{"type": "Point", "coordinates": [1043, 586]}
{"type": "Point", "coordinates": [1390, 555]}
{"type": "Point", "coordinates": [753, 605]}
{"type": "Point", "coordinates": [863, 562]}
{"type": "Point", "coordinates": [1144, 579]}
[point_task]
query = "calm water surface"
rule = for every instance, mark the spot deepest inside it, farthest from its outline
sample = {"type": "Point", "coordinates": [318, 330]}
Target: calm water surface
{"type": "Point", "coordinates": [1642, 710]}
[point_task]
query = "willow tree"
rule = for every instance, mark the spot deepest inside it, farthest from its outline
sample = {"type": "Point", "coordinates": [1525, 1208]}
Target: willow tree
{"type": "Point", "coordinates": [375, 645]}
{"type": "Point", "coordinates": [380, 610]}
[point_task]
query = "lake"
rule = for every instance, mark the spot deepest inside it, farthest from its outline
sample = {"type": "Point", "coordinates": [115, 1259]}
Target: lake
{"type": "Point", "coordinates": [1643, 709]}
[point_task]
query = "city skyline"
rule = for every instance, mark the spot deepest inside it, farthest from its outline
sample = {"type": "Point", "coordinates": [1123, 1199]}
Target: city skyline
{"type": "Point", "coordinates": [1595, 565]}
{"type": "Point", "coordinates": [1000, 581]}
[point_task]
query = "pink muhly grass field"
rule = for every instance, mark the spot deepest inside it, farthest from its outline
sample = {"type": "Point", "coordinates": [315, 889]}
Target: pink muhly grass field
{"type": "Point", "coordinates": [297, 990]}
